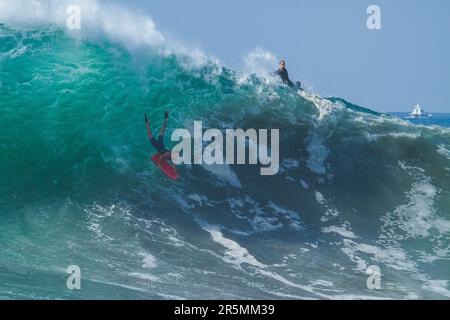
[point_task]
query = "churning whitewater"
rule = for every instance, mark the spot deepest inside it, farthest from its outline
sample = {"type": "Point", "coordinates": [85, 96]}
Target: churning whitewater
{"type": "Point", "coordinates": [354, 189]}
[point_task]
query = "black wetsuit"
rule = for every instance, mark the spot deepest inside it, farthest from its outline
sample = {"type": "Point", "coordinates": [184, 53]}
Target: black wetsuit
{"type": "Point", "coordinates": [283, 73]}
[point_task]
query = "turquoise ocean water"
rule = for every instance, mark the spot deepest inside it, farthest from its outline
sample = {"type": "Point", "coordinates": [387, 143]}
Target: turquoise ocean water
{"type": "Point", "coordinates": [356, 188]}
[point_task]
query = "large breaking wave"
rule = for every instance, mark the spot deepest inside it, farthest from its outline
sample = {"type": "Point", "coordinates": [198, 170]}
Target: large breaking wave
{"type": "Point", "coordinates": [356, 188]}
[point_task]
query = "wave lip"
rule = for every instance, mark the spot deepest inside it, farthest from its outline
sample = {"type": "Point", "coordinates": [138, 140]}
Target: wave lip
{"type": "Point", "coordinates": [118, 24]}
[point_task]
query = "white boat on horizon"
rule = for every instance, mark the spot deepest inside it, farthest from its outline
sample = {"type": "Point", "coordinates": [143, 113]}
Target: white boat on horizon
{"type": "Point", "coordinates": [418, 112]}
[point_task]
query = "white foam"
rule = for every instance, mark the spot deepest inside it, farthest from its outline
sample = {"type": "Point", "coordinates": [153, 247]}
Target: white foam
{"type": "Point", "coordinates": [344, 231]}
{"type": "Point", "coordinates": [417, 217]}
{"type": "Point", "coordinates": [330, 211]}
{"type": "Point", "coordinates": [304, 184]}
{"type": "Point", "coordinates": [263, 223]}
{"type": "Point", "coordinates": [234, 254]}
{"type": "Point", "coordinates": [322, 283]}
{"type": "Point", "coordinates": [97, 230]}
{"type": "Point", "coordinates": [117, 23]}
{"type": "Point", "coordinates": [291, 216]}
{"type": "Point", "coordinates": [96, 216]}
{"type": "Point", "coordinates": [409, 135]}
{"type": "Point", "coordinates": [325, 107]}
{"type": "Point", "coordinates": [238, 255]}
{"type": "Point", "coordinates": [372, 137]}
{"type": "Point", "coordinates": [260, 62]}
{"type": "Point", "coordinates": [393, 257]}
{"type": "Point", "coordinates": [144, 276]}
{"type": "Point", "coordinates": [410, 169]}
{"type": "Point", "coordinates": [438, 286]}
{"type": "Point", "coordinates": [443, 151]}
{"type": "Point", "coordinates": [224, 173]}
{"type": "Point", "coordinates": [142, 290]}
{"type": "Point", "coordinates": [235, 203]}
{"type": "Point", "coordinates": [289, 283]}
{"type": "Point", "coordinates": [318, 154]}
{"type": "Point", "coordinates": [290, 163]}
{"type": "Point", "coordinates": [99, 19]}
{"type": "Point", "coordinates": [200, 199]}
{"type": "Point", "coordinates": [149, 261]}
{"type": "Point", "coordinates": [437, 254]}
{"type": "Point", "coordinates": [320, 198]}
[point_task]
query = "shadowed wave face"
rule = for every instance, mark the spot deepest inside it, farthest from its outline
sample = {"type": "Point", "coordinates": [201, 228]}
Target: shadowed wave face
{"type": "Point", "coordinates": [77, 186]}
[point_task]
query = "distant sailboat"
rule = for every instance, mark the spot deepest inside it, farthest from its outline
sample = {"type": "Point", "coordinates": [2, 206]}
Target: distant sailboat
{"type": "Point", "coordinates": [418, 112]}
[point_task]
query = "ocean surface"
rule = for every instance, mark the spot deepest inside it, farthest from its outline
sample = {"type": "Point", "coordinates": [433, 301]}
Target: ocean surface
{"type": "Point", "coordinates": [356, 188]}
{"type": "Point", "coordinates": [435, 119]}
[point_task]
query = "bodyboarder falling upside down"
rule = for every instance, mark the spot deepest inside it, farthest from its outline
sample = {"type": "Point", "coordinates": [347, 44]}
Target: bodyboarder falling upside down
{"type": "Point", "coordinates": [164, 154]}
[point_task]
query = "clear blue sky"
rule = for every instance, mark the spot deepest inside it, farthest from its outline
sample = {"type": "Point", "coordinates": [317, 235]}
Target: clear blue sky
{"type": "Point", "coordinates": [327, 44]}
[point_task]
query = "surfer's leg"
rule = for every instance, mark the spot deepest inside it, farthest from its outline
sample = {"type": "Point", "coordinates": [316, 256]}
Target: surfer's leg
{"type": "Point", "coordinates": [167, 156]}
{"type": "Point", "coordinates": [163, 128]}
{"type": "Point", "coordinates": [164, 153]}
{"type": "Point", "coordinates": [149, 130]}
{"type": "Point", "coordinates": [155, 143]}
{"type": "Point", "coordinates": [158, 144]}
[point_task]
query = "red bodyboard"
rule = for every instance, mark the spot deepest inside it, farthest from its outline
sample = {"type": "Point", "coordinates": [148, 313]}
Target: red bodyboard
{"type": "Point", "coordinates": [165, 167]}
